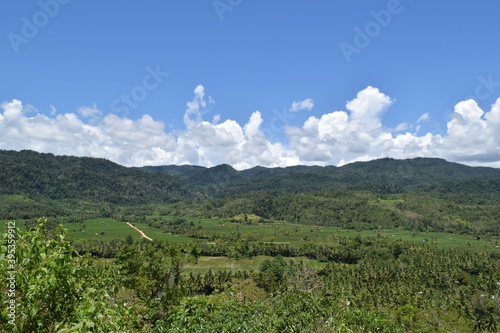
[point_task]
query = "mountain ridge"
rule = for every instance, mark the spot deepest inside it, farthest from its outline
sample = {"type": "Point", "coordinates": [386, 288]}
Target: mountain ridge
{"type": "Point", "coordinates": [407, 173]}
{"type": "Point", "coordinates": [419, 194]}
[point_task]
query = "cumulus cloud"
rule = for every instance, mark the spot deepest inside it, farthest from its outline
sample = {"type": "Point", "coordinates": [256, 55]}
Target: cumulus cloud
{"type": "Point", "coordinates": [227, 142]}
{"type": "Point", "coordinates": [118, 139]}
{"type": "Point", "coordinates": [368, 106]}
{"type": "Point", "coordinates": [306, 104]}
{"type": "Point", "coordinates": [143, 141]}
{"type": "Point", "coordinates": [197, 107]}
{"type": "Point", "coordinates": [338, 137]}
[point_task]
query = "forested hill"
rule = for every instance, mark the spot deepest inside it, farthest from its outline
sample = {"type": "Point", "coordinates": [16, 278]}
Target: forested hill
{"type": "Point", "coordinates": [421, 193]}
{"type": "Point", "coordinates": [384, 174]}
{"type": "Point", "coordinates": [48, 177]}
{"type": "Point", "coordinates": [38, 175]}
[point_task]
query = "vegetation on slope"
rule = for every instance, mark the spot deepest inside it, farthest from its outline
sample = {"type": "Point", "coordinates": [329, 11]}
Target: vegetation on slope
{"type": "Point", "coordinates": [50, 185]}
{"type": "Point", "coordinates": [369, 284]}
{"type": "Point", "coordinates": [418, 194]}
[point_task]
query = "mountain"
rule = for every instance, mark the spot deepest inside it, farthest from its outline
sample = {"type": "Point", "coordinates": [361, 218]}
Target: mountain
{"type": "Point", "coordinates": [66, 177]}
{"type": "Point", "coordinates": [173, 170]}
{"type": "Point", "coordinates": [420, 194]}
{"type": "Point", "coordinates": [36, 175]}
{"type": "Point", "coordinates": [387, 174]}
{"type": "Point", "coordinates": [220, 174]}
{"type": "Point", "coordinates": [417, 171]}
{"type": "Point", "coordinates": [425, 194]}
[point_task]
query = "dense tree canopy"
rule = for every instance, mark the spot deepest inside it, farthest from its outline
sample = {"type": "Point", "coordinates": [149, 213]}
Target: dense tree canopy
{"type": "Point", "coordinates": [418, 194]}
{"type": "Point", "coordinates": [367, 285]}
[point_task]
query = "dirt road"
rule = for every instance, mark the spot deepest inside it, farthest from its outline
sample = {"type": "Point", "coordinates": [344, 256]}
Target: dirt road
{"type": "Point", "coordinates": [140, 231]}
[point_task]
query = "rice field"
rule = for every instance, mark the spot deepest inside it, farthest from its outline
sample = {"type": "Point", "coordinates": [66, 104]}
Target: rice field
{"type": "Point", "coordinates": [106, 229]}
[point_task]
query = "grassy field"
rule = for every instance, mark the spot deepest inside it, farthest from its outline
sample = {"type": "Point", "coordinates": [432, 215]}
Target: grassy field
{"type": "Point", "coordinates": [224, 263]}
{"type": "Point", "coordinates": [106, 229]}
{"type": "Point", "coordinates": [300, 234]}
{"type": "Point", "coordinates": [19, 224]}
{"type": "Point", "coordinates": [102, 229]}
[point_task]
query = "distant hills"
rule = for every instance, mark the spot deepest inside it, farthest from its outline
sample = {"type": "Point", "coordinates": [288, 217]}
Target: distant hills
{"type": "Point", "coordinates": [419, 193]}
{"type": "Point", "coordinates": [410, 174]}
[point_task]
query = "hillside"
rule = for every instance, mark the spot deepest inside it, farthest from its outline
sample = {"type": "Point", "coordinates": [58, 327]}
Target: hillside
{"type": "Point", "coordinates": [415, 194]}
{"type": "Point", "coordinates": [386, 174]}
{"type": "Point", "coordinates": [40, 182]}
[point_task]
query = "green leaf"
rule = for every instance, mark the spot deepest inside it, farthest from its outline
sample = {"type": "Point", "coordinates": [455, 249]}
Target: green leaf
{"type": "Point", "coordinates": [33, 312]}
{"type": "Point", "coordinates": [89, 323]}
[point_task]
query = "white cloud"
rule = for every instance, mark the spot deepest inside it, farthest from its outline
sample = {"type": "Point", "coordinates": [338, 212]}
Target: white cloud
{"type": "Point", "coordinates": [197, 107]}
{"type": "Point", "coordinates": [424, 117]}
{"type": "Point", "coordinates": [306, 104]}
{"type": "Point", "coordinates": [228, 142]}
{"type": "Point", "coordinates": [89, 111]}
{"type": "Point", "coordinates": [401, 127]}
{"type": "Point", "coordinates": [216, 119]}
{"type": "Point", "coordinates": [368, 106]}
{"type": "Point", "coordinates": [338, 137]}
{"type": "Point", "coordinates": [121, 140]}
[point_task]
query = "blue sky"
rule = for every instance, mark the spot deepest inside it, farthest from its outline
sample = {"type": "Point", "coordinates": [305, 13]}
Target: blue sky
{"type": "Point", "coordinates": [68, 66]}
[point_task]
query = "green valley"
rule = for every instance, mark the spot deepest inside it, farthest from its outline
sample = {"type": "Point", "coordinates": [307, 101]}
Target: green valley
{"type": "Point", "coordinates": [381, 246]}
